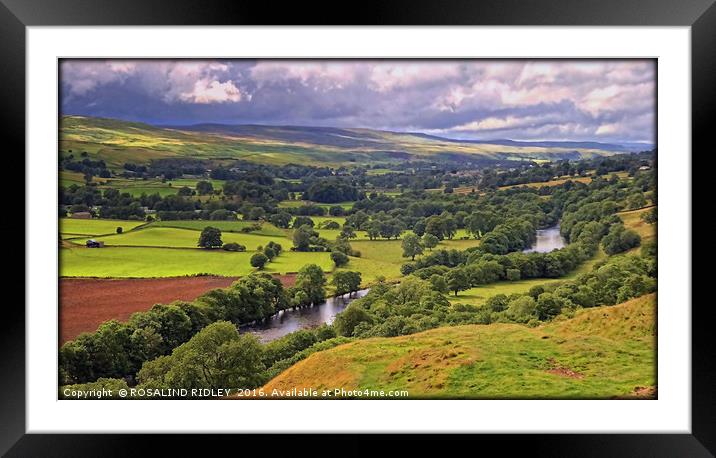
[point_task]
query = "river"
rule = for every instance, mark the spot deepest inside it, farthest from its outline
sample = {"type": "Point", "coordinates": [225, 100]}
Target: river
{"type": "Point", "coordinates": [288, 321]}
{"type": "Point", "coordinates": [547, 240]}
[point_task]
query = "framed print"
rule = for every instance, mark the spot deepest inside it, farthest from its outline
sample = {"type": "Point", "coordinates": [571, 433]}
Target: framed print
{"type": "Point", "coordinates": [419, 221]}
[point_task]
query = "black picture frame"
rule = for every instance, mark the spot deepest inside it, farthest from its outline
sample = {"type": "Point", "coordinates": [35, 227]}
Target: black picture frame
{"type": "Point", "coordinates": [16, 15]}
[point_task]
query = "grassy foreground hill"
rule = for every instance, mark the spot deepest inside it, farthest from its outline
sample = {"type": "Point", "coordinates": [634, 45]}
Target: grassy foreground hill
{"type": "Point", "coordinates": [604, 352]}
{"type": "Point", "coordinates": [117, 142]}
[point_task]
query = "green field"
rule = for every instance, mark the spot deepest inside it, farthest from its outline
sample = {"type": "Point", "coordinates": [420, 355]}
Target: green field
{"type": "Point", "coordinates": [478, 295]}
{"type": "Point", "coordinates": [601, 353]}
{"type": "Point", "coordinates": [224, 226]}
{"type": "Point", "coordinates": [166, 242]}
{"type": "Point", "coordinates": [137, 262]}
{"type": "Point", "coordinates": [322, 219]}
{"type": "Point", "coordinates": [137, 187]}
{"type": "Point", "coordinates": [384, 257]}
{"type": "Point", "coordinates": [185, 238]}
{"type": "Point", "coordinates": [74, 227]}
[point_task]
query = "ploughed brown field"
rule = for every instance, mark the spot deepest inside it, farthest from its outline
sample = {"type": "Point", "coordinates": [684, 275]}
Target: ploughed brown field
{"type": "Point", "coordinates": [85, 303]}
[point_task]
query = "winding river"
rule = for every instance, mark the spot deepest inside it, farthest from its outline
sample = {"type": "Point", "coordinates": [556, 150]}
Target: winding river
{"type": "Point", "coordinates": [288, 321]}
{"type": "Point", "coordinates": [547, 240]}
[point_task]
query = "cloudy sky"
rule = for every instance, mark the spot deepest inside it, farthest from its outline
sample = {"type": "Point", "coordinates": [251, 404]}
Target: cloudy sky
{"type": "Point", "coordinates": [607, 100]}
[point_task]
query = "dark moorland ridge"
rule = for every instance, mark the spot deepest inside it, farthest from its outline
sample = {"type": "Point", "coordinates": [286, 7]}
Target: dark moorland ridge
{"type": "Point", "coordinates": [114, 140]}
{"type": "Point", "coordinates": [367, 137]}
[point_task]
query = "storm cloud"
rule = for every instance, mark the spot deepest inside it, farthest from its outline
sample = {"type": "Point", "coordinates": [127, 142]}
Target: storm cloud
{"type": "Point", "coordinates": [602, 100]}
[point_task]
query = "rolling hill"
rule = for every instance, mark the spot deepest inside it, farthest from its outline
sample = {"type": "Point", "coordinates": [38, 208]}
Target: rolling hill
{"type": "Point", "coordinates": [117, 142]}
{"type": "Point", "coordinates": [604, 352]}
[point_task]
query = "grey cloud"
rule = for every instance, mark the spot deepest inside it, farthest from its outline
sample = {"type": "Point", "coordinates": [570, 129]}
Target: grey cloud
{"type": "Point", "coordinates": [539, 100]}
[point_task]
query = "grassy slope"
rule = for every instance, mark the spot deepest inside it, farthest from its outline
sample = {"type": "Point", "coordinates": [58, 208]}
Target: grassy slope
{"type": "Point", "coordinates": [600, 353]}
{"type": "Point", "coordinates": [632, 220]}
{"type": "Point", "coordinates": [117, 142]}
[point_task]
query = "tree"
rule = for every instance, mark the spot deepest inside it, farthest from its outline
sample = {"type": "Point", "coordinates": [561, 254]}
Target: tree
{"type": "Point", "coordinates": [340, 259]}
{"type": "Point", "coordinates": [269, 253]}
{"type": "Point", "coordinates": [430, 241]}
{"type": "Point", "coordinates": [620, 239]}
{"type": "Point", "coordinates": [434, 226]}
{"type": "Point", "coordinates": [204, 188]}
{"type": "Point", "coordinates": [302, 221]}
{"type": "Point", "coordinates": [512, 274]}
{"type": "Point", "coordinates": [302, 237]}
{"type": "Point", "coordinates": [216, 357]}
{"type": "Point", "coordinates": [649, 217]}
{"type": "Point", "coordinates": [497, 303]}
{"type": "Point", "coordinates": [347, 232]}
{"type": "Point", "coordinates": [255, 214]}
{"type": "Point", "coordinates": [210, 238]}
{"type": "Point", "coordinates": [457, 280]}
{"type": "Point", "coordinates": [276, 247]}
{"type": "Point", "coordinates": [185, 191]}
{"type": "Point", "coordinates": [346, 321]}
{"type": "Point", "coordinates": [312, 281]}
{"type": "Point", "coordinates": [346, 282]}
{"type": "Point", "coordinates": [373, 230]}
{"type": "Point", "coordinates": [636, 200]}
{"type": "Point", "coordinates": [412, 246]}
{"type": "Point", "coordinates": [119, 229]}
{"type": "Point", "coordinates": [548, 306]}
{"type": "Point", "coordinates": [522, 309]}
{"type": "Point", "coordinates": [336, 210]}
{"type": "Point", "coordinates": [281, 219]}
{"type": "Point", "coordinates": [439, 283]}
{"type": "Point", "coordinates": [259, 260]}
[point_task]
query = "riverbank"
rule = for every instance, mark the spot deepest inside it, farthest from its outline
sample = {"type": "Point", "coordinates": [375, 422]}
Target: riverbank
{"type": "Point", "coordinates": [291, 320]}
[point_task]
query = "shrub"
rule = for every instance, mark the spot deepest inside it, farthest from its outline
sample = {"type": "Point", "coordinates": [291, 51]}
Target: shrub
{"type": "Point", "coordinates": [231, 246]}
{"type": "Point", "coordinates": [259, 260]}
{"type": "Point", "coordinates": [339, 258]}
{"type": "Point", "coordinates": [210, 238]}
{"type": "Point", "coordinates": [269, 253]}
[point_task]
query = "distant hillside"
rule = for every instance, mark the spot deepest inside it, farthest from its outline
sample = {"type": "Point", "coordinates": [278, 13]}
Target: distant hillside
{"type": "Point", "coordinates": [117, 142]}
{"type": "Point", "coordinates": [602, 352]}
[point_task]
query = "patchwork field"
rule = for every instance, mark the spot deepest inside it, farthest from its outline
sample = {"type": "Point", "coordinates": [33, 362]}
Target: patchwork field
{"type": "Point", "coordinates": [550, 183]}
{"type": "Point", "coordinates": [224, 226]}
{"type": "Point", "coordinates": [142, 262]}
{"type": "Point", "coordinates": [169, 248]}
{"type": "Point", "coordinates": [509, 361]}
{"type": "Point", "coordinates": [76, 227]}
{"type": "Point", "coordinates": [136, 187]}
{"type": "Point", "coordinates": [85, 303]}
{"type": "Point", "coordinates": [185, 238]}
